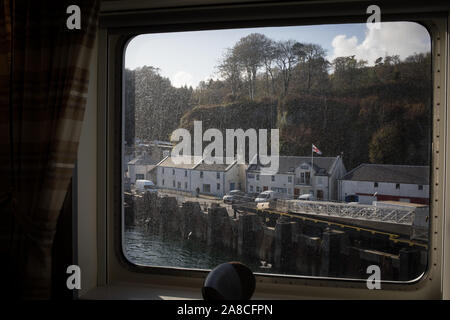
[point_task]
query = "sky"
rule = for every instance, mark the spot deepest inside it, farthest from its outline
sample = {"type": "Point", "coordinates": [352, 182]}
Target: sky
{"type": "Point", "coordinates": [187, 58]}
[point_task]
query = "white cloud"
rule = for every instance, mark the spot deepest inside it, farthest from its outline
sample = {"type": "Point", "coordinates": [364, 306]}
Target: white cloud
{"type": "Point", "coordinates": [393, 38]}
{"type": "Point", "coordinates": [182, 78]}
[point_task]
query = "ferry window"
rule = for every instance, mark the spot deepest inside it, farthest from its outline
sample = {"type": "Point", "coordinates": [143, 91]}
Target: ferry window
{"type": "Point", "coordinates": [340, 110]}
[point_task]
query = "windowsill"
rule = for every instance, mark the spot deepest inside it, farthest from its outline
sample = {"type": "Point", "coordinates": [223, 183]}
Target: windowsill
{"type": "Point", "coordinates": [126, 291]}
{"type": "Point", "coordinates": [131, 291]}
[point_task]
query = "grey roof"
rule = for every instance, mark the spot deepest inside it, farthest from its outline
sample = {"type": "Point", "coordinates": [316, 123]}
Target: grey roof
{"type": "Point", "coordinates": [195, 164]}
{"type": "Point", "coordinates": [168, 162]}
{"type": "Point", "coordinates": [142, 160]}
{"type": "Point", "coordinates": [213, 167]}
{"type": "Point", "coordinates": [287, 164]}
{"type": "Point", "coordinates": [390, 173]}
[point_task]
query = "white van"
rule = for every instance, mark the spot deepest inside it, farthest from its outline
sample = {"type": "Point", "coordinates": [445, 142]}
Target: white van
{"type": "Point", "coordinates": [307, 196]}
{"type": "Point", "coordinates": [145, 185]}
{"type": "Point", "coordinates": [269, 195]}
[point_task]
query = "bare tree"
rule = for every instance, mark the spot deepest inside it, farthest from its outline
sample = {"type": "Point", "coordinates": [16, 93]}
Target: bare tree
{"type": "Point", "coordinates": [286, 58]}
{"type": "Point", "coordinates": [312, 56]}
{"type": "Point", "coordinates": [269, 54]}
{"type": "Point", "coordinates": [229, 69]}
{"type": "Point", "coordinates": [249, 52]}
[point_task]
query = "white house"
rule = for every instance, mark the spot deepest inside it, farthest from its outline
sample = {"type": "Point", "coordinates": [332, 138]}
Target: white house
{"type": "Point", "coordinates": [139, 167]}
{"type": "Point", "coordinates": [383, 182]}
{"type": "Point", "coordinates": [217, 179]}
{"type": "Point", "coordinates": [299, 175]}
{"type": "Point", "coordinates": [172, 175]}
{"type": "Point", "coordinates": [198, 177]}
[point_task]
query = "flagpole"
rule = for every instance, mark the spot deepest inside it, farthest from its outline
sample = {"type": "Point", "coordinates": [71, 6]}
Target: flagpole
{"type": "Point", "coordinates": [312, 164]}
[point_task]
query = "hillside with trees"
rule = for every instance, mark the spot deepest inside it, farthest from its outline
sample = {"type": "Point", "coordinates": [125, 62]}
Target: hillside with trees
{"type": "Point", "coordinates": [378, 112]}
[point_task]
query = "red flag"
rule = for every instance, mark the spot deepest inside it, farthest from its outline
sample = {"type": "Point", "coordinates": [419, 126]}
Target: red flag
{"type": "Point", "coordinates": [316, 150]}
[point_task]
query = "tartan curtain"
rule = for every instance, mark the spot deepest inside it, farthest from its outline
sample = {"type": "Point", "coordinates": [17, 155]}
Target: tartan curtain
{"type": "Point", "coordinates": [44, 72]}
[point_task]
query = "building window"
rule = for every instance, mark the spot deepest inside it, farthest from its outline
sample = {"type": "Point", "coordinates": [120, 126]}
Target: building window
{"type": "Point", "coordinates": [163, 182]}
{"type": "Point", "coordinates": [179, 185]}
{"type": "Point", "coordinates": [206, 188]}
{"type": "Point", "coordinates": [273, 178]}
{"type": "Point", "coordinates": [218, 186]}
{"type": "Point", "coordinates": [258, 189]}
{"type": "Point", "coordinates": [290, 179]}
{"type": "Point", "coordinates": [397, 186]}
{"type": "Point", "coordinates": [162, 170]}
{"type": "Point", "coordinates": [305, 178]}
{"type": "Point", "coordinates": [185, 185]}
{"type": "Point", "coordinates": [420, 187]}
{"type": "Point", "coordinates": [279, 190]}
{"type": "Point", "coordinates": [201, 174]}
{"type": "Point", "coordinates": [140, 176]}
{"type": "Point", "coordinates": [185, 173]}
{"type": "Point", "coordinates": [251, 188]}
{"type": "Point", "coordinates": [257, 177]}
{"type": "Point", "coordinates": [173, 172]}
{"type": "Point", "coordinates": [218, 175]}
{"type": "Point", "coordinates": [375, 184]}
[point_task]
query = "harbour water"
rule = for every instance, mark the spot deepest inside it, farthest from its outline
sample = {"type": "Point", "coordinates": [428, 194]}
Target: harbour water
{"type": "Point", "coordinates": [144, 248]}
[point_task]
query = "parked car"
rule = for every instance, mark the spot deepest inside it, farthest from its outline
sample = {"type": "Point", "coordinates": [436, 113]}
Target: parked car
{"type": "Point", "coordinates": [236, 196]}
{"type": "Point", "coordinates": [145, 186]}
{"type": "Point", "coordinates": [307, 196]}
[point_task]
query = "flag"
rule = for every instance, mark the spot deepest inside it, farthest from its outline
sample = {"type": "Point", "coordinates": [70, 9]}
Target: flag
{"type": "Point", "coordinates": [316, 150]}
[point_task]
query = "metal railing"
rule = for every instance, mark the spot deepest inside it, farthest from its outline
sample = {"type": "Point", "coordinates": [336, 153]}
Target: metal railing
{"type": "Point", "coordinates": [401, 215]}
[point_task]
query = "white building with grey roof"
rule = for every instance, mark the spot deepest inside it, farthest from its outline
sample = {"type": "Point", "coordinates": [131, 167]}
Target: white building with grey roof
{"type": "Point", "coordinates": [299, 175]}
{"type": "Point", "coordinates": [198, 177]}
{"type": "Point", "coordinates": [385, 182]}
{"type": "Point", "coordinates": [139, 168]}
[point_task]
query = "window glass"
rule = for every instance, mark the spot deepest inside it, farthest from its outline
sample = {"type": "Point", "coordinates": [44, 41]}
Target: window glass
{"type": "Point", "coordinates": [343, 110]}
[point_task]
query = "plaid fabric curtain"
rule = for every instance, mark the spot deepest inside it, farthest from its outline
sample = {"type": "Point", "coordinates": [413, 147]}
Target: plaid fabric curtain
{"type": "Point", "coordinates": [43, 87]}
